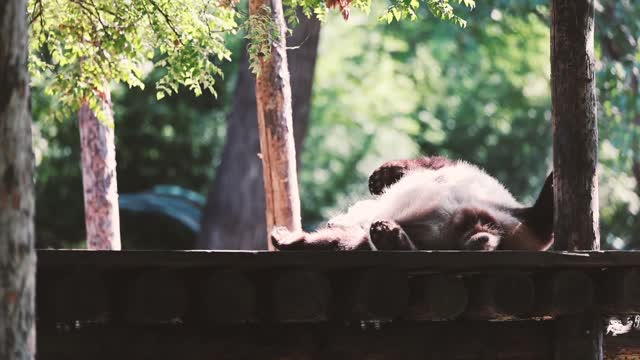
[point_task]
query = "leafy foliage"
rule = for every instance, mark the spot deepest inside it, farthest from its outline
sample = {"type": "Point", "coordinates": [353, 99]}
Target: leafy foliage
{"type": "Point", "coordinates": [175, 141]}
{"type": "Point", "coordinates": [618, 33]}
{"type": "Point", "coordinates": [403, 9]}
{"type": "Point", "coordinates": [77, 45]}
{"type": "Point", "coordinates": [262, 32]}
{"type": "Point", "coordinates": [397, 9]}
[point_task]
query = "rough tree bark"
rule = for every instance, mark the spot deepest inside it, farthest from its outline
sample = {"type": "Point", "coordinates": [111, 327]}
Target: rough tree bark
{"type": "Point", "coordinates": [575, 138]}
{"type": "Point", "coordinates": [233, 217]}
{"type": "Point", "coordinates": [575, 157]}
{"type": "Point", "coordinates": [101, 212]}
{"type": "Point", "coordinates": [17, 254]}
{"type": "Point", "coordinates": [275, 125]}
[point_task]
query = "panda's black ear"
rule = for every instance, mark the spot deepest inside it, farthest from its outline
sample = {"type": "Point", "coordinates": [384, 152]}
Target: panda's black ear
{"type": "Point", "coordinates": [539, 217]}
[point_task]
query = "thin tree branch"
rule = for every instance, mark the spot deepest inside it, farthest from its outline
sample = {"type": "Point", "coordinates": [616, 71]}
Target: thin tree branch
{"type": "Point", "coordinates": [166, 18]}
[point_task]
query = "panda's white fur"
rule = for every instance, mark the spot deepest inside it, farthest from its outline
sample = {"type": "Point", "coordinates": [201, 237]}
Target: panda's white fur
{"type": "Point", "coordinates": [431, 197]}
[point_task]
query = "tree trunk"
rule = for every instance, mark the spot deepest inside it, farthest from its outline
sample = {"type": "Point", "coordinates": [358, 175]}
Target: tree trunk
{"type": "Point", "coordinates": [575, 137]}
{"type": "Point", "coordinates": [575, 157]}
{"type": "Point", "coordinates": [275, 125]}
{"type": "Point", "coordinates": [233, 217]}
{"type": "Point", "coordinates": [101, 212]}
{"type": "Point", "coordinates": [17, 254]}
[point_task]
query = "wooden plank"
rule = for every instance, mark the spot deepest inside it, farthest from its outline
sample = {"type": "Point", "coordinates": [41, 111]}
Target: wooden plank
{"type": "Point", "coordinates": [372, 294]}
{"type": "Point", "coordinates": [300, 296]}
{"type": "Point", "coordinates": [440, 340]}
{"type": "Point", "coordinates": [227, 297]}
{"type": "Point", "coordinates": [528, 340]}
{"type": "Point", "coordinates": [501, 295]}
{"type": "Point", "coordinates": [73, 296]}
{"type": "Point", "coordinates": [564, 292]}
{"type": "Point", "coordinates": [155, 296]}
{"type": "Point", "coordinates": [437, 297]}
{"type": "Point", "coordinates": [415, 260]}
{"type": "Point", "coordinates": [621, 291]}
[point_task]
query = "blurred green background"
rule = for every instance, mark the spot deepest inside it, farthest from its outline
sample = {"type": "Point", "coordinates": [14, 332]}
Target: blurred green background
{"type": "Point", "coordinates": [380, 92]}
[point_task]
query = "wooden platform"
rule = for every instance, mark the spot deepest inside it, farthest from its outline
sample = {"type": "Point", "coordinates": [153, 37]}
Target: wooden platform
{"type": "Point", "coordinates": [387, 305]}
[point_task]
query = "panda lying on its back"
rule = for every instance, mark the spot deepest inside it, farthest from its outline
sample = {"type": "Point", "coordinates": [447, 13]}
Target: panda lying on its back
{"type": "Point", "coordinates": [432, 203]}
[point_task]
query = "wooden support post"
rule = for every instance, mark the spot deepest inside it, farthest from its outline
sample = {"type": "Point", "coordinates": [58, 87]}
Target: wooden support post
{"type": "Point", "coordinates": [575, 157]}
{"type": "Point", "coordinates": [275, 123]}
{"type": "Point", "coordinates": [575, 135]}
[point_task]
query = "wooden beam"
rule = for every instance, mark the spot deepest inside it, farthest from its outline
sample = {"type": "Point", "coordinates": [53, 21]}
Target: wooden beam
{"type": "Point", "coordinates": [155, 296]}
{"type": "Point", "coordinates": [564, 292]}
{"type": "Point", "coordinates": [300, 296]}
{"type": "Point", "coordinates": [439, 261]}
{"type": "Point", "coordinates": [621, 291]}
{"type": "Point", "coordinates": [74, 296]}
{"type": "Point", "coordinates": [529, 340]}
{"type": "Point", "coordinates": [437, 297]}
{"type": "Point", "coordinates": [501, 295]}
{"type": "Point", "coordinates": [227, 297]}
{"type": "Point", "coordinates": [373, 294]}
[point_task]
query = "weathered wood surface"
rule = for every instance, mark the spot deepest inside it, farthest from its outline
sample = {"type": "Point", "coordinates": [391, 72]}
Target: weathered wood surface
{"type": "Point", "coordinates": [154, 296]}
{"type": "Point", "coordinates": [501, 295]}
{"type": "Point", "coordinates": [227, 297]}
{"type": "Point", "coordinates": [564, 292]}
{"type": "Point", "coordinates": [258, 287]}
{"type": "Point", "coordinates": [73, 296]}
{"type": "Point", "coordinates": [300, 296]}
{"type": "Point", "coordinates": [443, 340]}
{"type": "Point", "coordinates": [373, 294]}
{"type": "Point", "coordinates": [428, 261]}
{"type": "Point", "coordinates": [437, 297]}
{"type": "Point", "coordinates": [575, 127]}
{"type": "Point", "coordinates": [621, 290]}
{"type": "Point", "coordinates": [275, 124]}
{"type": "Point", "coordinates": [575, 158]}
{"type": "Point", "coordinates": [468, 340]}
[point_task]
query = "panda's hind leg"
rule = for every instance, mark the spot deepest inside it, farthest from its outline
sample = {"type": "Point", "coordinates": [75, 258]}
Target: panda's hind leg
{"type": "Point", "coordinates": [389, 235]}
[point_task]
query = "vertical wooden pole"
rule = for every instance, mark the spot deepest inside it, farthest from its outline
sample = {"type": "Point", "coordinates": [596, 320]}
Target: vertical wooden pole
{"type": "Point", "coordinates": [575, 157]}
{"type": "Point", "coordinates": [17, 242]}
{"type": "Point", "coordinates": [102, 216]}
{"type": "Point", "coordinates": [273, 95]}
{"type": "Point", "coordinates": [575, 135]}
